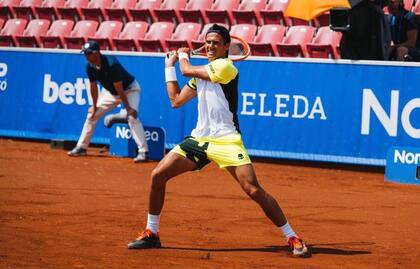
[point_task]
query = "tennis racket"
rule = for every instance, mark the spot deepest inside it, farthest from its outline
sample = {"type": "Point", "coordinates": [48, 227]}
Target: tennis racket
{"type": "Point", "coordinates": [238, 50]}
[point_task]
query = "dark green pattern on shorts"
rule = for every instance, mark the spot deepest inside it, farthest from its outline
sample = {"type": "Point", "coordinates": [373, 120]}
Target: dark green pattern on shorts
{"type": "Point", "coordinates": [194, 152]}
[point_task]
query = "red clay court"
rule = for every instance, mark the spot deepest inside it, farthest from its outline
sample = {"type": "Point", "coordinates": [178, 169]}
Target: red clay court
{"type": "Point", "coordinates": [62, 212]}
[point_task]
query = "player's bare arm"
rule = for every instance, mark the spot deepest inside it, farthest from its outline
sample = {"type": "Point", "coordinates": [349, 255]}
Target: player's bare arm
{"type": "Point", "coordinates": [177, 97]}
{"type": "Point", "coordinates": [94, 94]}
{"type": "Point", "coordinates": [189, 70]}
{"type": "Point", "coordinates": [119, 89]}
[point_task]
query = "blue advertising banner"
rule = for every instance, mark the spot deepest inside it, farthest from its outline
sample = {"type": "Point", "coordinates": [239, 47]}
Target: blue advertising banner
{"type": "Point", "coordinates": [121, 142]}
{"type": "Point", "coordinates": [403, 165]}
{"type": "Point", "coordinates": [316, 110]}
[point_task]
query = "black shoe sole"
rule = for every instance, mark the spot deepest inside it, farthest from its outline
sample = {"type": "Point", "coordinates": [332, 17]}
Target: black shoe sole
{"type": "Point", "coordinates": [143, 245]}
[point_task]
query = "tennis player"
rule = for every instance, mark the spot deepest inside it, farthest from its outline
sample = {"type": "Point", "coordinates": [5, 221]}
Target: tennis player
{"type": "Point", "coordinates": [216, 137]}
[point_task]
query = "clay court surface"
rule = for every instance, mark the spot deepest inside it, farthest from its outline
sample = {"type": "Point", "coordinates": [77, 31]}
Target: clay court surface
{"type": "Point", "coordinates": [62, 212]}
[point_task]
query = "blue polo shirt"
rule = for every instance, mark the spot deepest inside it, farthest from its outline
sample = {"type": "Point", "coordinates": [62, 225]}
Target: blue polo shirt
{"type": "Point", "coordinates": [111, 71]}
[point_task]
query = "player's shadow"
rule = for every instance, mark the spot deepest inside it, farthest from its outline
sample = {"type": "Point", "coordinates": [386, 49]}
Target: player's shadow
{"type": "Point", "coordinates": [330, 249]}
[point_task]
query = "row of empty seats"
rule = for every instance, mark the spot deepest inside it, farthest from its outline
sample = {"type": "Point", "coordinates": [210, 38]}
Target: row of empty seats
{"type": "Point", "coordinates": [257, 12]}
{"type": "Point", "coordinates": [266, 40]}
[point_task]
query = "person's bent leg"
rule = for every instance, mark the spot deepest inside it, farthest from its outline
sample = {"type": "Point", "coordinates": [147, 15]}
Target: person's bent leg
{"type": "Point", "coordinates": [133, 97]}
{"type": "Point", "coordinates": [245, 175]}
{"type": "Point", "coordinates": [139, 137]}
{"type": "Point", "coordinates": [106, 102]}
{"type": "Point", "coordinates": [170, 166]}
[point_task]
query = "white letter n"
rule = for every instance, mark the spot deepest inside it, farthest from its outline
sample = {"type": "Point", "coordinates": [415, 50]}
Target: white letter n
{"type": "Point", "coordinates": [370, 102]}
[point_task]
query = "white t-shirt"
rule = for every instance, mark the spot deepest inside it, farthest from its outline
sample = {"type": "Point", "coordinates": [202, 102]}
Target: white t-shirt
{"type": "Point", "coordinates": [217, 100]}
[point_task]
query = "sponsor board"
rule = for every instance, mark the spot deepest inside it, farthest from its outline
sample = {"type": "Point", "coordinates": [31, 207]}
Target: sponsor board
{"type": "Point", "coordinates": [316, 111]}
{"type": "Point", "coordinates": [122, 143]}
{"type": "Point", "coordinates": [403, 165]}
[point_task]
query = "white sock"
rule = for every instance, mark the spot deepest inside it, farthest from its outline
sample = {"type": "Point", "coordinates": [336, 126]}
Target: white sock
{"type": "Point", "coordinates": [287, 231]}
{"type": "Point", "coordinates": [153, 223]}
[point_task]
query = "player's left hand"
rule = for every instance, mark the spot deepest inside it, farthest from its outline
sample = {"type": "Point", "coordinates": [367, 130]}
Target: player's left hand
{"type": "Point", "coordinates": [183, 49]}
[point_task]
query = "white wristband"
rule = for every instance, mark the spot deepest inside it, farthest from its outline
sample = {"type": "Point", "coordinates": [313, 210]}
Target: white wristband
{"type": "Point", "coordinates": [170, 74]}
{"type": "Point", "coordinates": [183, 55]}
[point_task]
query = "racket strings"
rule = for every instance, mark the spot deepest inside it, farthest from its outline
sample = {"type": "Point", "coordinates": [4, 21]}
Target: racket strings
{"type": "Point", "coordinates": [237, 49]}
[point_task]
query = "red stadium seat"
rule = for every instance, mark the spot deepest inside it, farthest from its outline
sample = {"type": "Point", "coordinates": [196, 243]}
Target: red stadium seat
{"type": "Point", "coordinates": [325, 44]}
{"type": "Point", "coordinates": [274, 12]}
{"type": "Point", "coordinates": [26, 9]}
{"type": "Point", "coordinates": [267, 37]}
{"type": "Point", "coordinates": [6, 9]}
{"type": "Point", "coordinates": [199, 42]}
{"type": "Point", "coordinates": [54, 38]}
{"type": "Point", "coordinates": [323, 20]}
{"type": "Point", "coordinates": [12, 28]}
{"type": "Point", "coordinates": [96, 10]}
{"type": "Point", "coordinates": [154, 40]}
{"type": "Point", "coordinates": [245, 31]}
{"type": "Point", "coordinates": [221, 11]}
{"type": "Point", "coordinates": [184, 33]}
{"type": "Point", "coordinates": [48, 10]}
{"type": "Point", "coordinates": [408, 4]}
{"type": "Point", "coordinates": [106, 32]}
{"type": "Point", "coordinates": [82, 31]}
{"type": "Point", "coordinates": [297, 22]}
{"type": "Point", "coordinates": [144, 11]}
{"type": "Point", "coordinates": [169, 11]}
{"type": "Point", "coordinates": [195, 11]}
{"type": "Point", "coordinates": [249, 12]}
{"type": "Point", "coordinates": [119, 10]}
{"type": "Point", "coordinates": [294, 43]}
{"type": "Point", "coordinates": [416, 8]}
{"type": "Point", "coordinates": [31, 36]}
{"type": "Point", "coordinates": [128, 38]}
{"type": "Point", "coordinates": [72, 9]}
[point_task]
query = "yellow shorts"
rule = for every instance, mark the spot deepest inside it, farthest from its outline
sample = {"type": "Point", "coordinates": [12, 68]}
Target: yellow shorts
{"type": "Point", "coordinates": [225, 151]}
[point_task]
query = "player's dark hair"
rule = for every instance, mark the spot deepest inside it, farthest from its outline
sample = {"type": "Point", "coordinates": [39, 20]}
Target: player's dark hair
{"type": "Point", "coordinates": [222, 31]}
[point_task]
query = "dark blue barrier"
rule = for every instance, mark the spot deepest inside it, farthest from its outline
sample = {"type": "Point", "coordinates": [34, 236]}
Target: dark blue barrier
{"type": "Point", "coordinates": [122, 143]}
{"type": "Point", "coordinates": [309, 110]}
{"type": "Point", "coordinates": [403, 165]}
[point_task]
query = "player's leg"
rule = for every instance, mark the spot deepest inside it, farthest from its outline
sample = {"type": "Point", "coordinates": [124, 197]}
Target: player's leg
{"type": "Point", "coordinates": [105, 103]}
{"type": "Point", "coordinates": [245, 176]}
{"type": "Point", "coordinates": [170, 166]}
{"type": "Point", "coordinates": [133, 97]}
{"type": "Point", "coordinates": [229, 152]}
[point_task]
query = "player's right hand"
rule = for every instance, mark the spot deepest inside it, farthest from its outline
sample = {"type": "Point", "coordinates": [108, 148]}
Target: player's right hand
{"type": "Point", "coordinates": [171, 58]}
